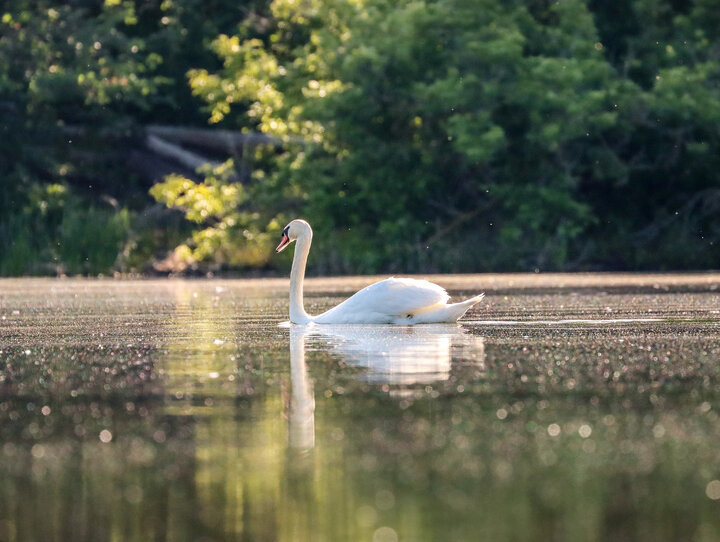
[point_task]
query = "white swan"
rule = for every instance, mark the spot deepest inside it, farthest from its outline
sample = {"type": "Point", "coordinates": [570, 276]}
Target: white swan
{"type": "Point", "coordinates": [390, 301]}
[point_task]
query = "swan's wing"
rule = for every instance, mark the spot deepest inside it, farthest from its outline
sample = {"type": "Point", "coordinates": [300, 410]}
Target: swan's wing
{"type": "Point", "coordinates": [390, 297]}
{"type": "Point", "coordinates": [400, 296]}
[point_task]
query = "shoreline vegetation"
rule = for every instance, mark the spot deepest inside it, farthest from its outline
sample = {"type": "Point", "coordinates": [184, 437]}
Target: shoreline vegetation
{"type": "Point", "coordinates": [178, 137]}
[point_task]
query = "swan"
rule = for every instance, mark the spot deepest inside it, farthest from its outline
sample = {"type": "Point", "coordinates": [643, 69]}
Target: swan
{"type": "Point", "coordinates": [390, 301]}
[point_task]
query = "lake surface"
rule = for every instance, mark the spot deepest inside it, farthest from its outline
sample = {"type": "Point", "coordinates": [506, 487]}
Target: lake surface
{"type": "Point", "coordinates": [564, 407]}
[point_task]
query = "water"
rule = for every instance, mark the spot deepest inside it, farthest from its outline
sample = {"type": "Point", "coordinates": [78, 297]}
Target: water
{"type": "Point", "coordinates": [564, 408]}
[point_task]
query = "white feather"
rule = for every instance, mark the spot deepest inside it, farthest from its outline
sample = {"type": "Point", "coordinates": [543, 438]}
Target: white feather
{"type": "Point", "coordinates": [385, 301]}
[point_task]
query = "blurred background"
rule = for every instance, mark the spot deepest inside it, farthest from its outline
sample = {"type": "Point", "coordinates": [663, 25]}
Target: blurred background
{"type": "Point", "coordinates": [169, 136]}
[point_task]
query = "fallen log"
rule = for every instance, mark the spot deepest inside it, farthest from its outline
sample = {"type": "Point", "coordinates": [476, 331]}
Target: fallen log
{"type": "Point", "coordinates": [228, 141]}
{"type": "Point", "coordinates": [175, 152]}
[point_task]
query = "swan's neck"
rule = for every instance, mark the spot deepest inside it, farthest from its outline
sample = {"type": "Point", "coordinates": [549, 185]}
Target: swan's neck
{"type": "Point", "coordinates": [297, 276]}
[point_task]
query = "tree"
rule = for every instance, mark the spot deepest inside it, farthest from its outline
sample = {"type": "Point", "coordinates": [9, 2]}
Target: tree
{"type": "Point", "coordinates": [78, 80]}
{"type": "Point", "coordinates": [458, 135]}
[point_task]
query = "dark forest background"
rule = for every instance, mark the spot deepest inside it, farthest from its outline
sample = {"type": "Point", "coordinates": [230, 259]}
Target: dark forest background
{"type": "Point", "coordinates": [415, 136]}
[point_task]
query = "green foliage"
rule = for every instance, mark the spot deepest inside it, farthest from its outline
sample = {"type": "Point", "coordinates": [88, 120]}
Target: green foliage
{"type": "Point", "coordinates": [76, 79]}
{"type": "Point", "coordinates": [465, 135]}
{"type": "Point", "coordinates": [58, 232]}
{"type": "Point", "coordinates": [229, 236]}
{"type": "Point", "coordinates": [419, 135]}
{"type": "Point", "coordinates": [63, 67]}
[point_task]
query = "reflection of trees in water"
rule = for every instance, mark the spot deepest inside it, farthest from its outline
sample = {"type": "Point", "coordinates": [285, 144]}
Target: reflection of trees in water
{"type": "Point", "coordinates": [68, 487]}
{"type": "Point", "coordinates": [438, 465]}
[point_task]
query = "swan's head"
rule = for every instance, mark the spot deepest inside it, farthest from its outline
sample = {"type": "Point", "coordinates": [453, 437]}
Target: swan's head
{"type": "Point", "coordinates": [297, 229]}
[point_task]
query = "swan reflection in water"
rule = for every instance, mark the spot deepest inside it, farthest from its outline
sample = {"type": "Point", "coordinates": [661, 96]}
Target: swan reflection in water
{"type": "Point", "coordinates": [398, 356]}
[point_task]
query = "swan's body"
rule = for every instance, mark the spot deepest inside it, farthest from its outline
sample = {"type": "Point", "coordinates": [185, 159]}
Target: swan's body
{"type": "Point", "coordinates": [390, 301]}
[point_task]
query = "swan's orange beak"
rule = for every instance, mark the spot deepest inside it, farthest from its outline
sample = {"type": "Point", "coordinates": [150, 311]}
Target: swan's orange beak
{"type": "Point", "coordinates": [283, 244]}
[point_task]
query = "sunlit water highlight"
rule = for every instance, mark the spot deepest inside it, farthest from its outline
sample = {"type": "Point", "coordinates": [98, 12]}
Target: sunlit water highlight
{"type": "Point", "coordinates": [593, 321]}
{"type": "Point", "coordinates": [182, 410]}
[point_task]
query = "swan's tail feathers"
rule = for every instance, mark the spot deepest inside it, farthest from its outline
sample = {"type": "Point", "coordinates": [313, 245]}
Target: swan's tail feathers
{"type": "Point", "coordinates": [459, 309]}
{"type": "Point", "coordinates": [445, 313]}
